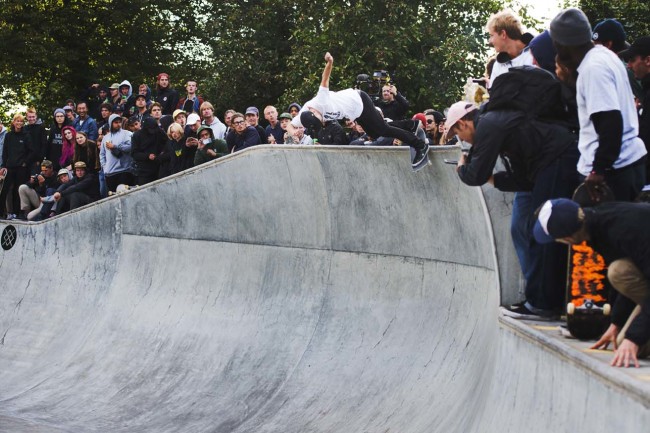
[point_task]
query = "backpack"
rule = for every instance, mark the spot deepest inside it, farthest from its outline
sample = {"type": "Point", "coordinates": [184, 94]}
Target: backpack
{"type": "Point", "coordinates": [532, 90]}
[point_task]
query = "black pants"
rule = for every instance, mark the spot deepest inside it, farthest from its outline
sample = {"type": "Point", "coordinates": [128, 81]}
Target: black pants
{"type": "Point", "coordinates": [16, 176]}
{"type": "Point", "coordinates": [113, 180]}
{"type": "Point", "coordinates": [146, 178]}
{"type": "Point", "coordinates": [72, 201]}
{"type": "Point", "coordinates": [375, 125]}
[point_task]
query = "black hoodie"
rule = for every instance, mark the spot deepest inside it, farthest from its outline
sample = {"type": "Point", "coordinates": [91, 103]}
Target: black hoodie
{"type": "Point", "coordinates": [148, 140]}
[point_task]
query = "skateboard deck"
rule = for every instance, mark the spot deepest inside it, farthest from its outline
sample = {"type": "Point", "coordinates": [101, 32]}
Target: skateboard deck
{"type": "Point", "coordinates": [422, 163]}
{"type": "Point", "coordinates": [3, 174]}
{"type": "Point", "coordinates": [122, 188]}
{"type": "Point", "coordinates": [587, 291]}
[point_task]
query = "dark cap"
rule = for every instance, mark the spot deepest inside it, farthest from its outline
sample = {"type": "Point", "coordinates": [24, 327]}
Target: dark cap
{"type": "Point", "coordinates": [610, 30]}
{"type": "Point", "coordinates": [640, 47]}
{"type": "Point", "coordinates": [285, 116]}
{"type": "Point", "coordinates": [557, 219]}
{"type": "Point", "coordinates": [310, 121]}
{"type": "Point", "coordinates": [252, 110]}
{"type": "Point", "coordinates": [140, 95]}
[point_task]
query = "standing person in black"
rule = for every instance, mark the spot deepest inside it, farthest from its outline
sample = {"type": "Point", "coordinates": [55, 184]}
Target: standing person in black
{"type": "Point", "coordinates": [148, 150]}
{"type": "Point", "coordinates": [165, 94]}
{"type": "Point", "coordinates": [392, 103]}
{"type": "Point", "coordinates": [36, 131]}
{"type": "Point", "coordinates": [16, 155]}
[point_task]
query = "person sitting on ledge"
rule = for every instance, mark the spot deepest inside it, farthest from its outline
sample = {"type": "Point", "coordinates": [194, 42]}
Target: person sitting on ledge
{"type": "Point", "coordinates": [618, 231]}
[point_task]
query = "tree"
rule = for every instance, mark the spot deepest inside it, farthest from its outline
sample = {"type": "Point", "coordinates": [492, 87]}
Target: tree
{"type": "Point", "coordinates": [633, 14]}
{"type": "Point", "coordinates": [53, 49]}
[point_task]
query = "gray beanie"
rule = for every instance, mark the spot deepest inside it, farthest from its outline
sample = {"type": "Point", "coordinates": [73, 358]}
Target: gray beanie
{"type": "Point", "coordinates": [571, 28]}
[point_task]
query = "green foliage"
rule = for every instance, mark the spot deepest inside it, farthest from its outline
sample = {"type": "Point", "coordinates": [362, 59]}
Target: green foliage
{"type": "Point", "coordinates": [53, 49]}
{"type": "Point", "coordinates": [243, 52]}
{"type": "Point", "coordinates": [633, 14]}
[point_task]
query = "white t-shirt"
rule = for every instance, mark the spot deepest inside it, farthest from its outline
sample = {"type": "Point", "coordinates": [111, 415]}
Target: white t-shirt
{"type": "Point", "coordinates": [603, 85]}
{"type": "Point", "coordinates": [344, 104]}
{"type": "Point", "coordinates": [523, 59]}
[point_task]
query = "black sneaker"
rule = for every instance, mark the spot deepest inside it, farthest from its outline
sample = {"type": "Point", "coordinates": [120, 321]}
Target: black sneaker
{"type": "Point", "coordinates": [420, 154]}
{"type": "Point", "coordinates": [521, 311]}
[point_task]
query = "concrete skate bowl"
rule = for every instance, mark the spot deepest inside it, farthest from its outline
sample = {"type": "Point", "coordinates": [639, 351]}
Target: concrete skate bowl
{"type": "Point", "coordinates": [276, 290]}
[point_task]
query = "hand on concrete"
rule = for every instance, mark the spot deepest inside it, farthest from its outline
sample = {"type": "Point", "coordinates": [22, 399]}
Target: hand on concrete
{"type": "Point", "coordinates": [626, 355]}
{"type": "Point", "coordinates": [608, 337]}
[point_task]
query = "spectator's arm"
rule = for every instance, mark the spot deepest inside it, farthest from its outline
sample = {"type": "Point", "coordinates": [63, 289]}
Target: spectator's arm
{"type": "Point", "coordinates": [92, 129]}
{"type": "Point", "coordinates": [252, 138]}
{"type": "Point", "coordinates": [125, 146]}
{"type": "Point", "coordinates": [137, 152]}
{"type": "Point", "coordinates": [609, 127]}
{"type": "Point", "coordinates": [102, 154]}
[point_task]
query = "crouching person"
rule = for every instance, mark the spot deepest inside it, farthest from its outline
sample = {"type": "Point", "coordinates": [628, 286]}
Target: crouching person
{"type": "Point", "coordinates": [81, 190]}
{"type": "Point", "coordinates": [618, 232]}
{"type": "Point", "coordinates": [38, 186]}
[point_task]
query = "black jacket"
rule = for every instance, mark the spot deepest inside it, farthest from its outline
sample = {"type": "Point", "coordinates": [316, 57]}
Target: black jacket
{"type": "Point", "coordinates": [168, 98]}
{"type": "Point", "coordinates": [622, 230]}
{"type": "Point", "coordinates": [644, 121]}
{"type": "Point", "coordinates": [333, 134]}
{"type": "Point", "coordinates": [17, 150]}
{"type": "Point", "coordinates": [39, 140]}
{"type": "Point", "coordinates": [148, 140]}
{"type": "Point", "coordinates": [89, 185]}
{"type": "Point", "coordinates": [525, 145]}
{"type": "Point", "coordinates": [396, 109]}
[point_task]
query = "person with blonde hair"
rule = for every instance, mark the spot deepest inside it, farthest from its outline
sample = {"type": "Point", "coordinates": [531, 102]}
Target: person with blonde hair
{"type": "Point", "coordinates": [510, 42]}
{"type": "Point", "coordinates": [17, 154]}
{"type": "Point", "coordinates": [181, 155]}
{"type": "Point", "coordinates": [209, 119]}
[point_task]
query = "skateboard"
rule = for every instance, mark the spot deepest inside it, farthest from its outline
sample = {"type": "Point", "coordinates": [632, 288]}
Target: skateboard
{"type": "Point", "coordinates": [3, 174]}
{"type": "Point", "coordinates": [587, 290]}
{"type": "Point", "coordinates": [122, 188]}
{"type": "Point", "coordinates": [422, 163]}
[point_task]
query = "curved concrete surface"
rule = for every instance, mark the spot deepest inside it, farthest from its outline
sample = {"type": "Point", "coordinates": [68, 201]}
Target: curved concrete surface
{"type": "Point", "coordinates": [281, 290]}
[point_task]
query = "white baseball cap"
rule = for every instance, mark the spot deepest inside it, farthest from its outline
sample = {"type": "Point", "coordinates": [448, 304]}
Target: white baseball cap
{"type": "Point", "coordinates": [457, 112]}
{"type": "Point", "coordinates": [193, 118]}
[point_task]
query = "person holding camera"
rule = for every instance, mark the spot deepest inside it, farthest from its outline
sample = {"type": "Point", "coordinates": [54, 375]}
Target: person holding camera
{"type": "Point", "coordinates": [209, 147]}
{"type": "Point", "coordinates": [39, 185]}
{"type": "Point", "coordinates": [392, 103]}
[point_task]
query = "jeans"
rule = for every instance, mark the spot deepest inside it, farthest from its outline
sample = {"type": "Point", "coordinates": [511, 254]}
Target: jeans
{"type": "Point", "coordinates": [521, 208]}
{"type": "Point", "coordinates": [547, 273]}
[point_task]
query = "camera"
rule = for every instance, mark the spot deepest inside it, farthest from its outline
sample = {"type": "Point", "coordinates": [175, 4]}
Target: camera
{"type": "Point", "coordinates": [372, 85]}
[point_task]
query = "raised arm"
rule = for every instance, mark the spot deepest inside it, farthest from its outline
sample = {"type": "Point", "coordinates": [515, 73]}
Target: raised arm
{"type": "Point", "coordinates": [325, 80]}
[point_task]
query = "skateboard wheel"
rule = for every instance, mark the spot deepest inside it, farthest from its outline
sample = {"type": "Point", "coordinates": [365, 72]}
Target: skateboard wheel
{"type": "Point", "coordinates": [570, 308]}
{"type": "Point", "coordinates": [607, 309]}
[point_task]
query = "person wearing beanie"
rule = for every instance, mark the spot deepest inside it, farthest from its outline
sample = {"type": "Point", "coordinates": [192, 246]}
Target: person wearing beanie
{"type": "Point", "coordinates": [610, 150]}
{"type": "Point", "coordinates": [543, 51]}
{"type": "Point", "coordinates": [54, 145]}
{"type": "Point", "coordinates": [618, 232]}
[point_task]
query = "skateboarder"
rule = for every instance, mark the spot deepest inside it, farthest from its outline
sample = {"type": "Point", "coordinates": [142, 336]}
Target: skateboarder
{"type": "Point", "coordinates": [355, 105]}
{"type": "Point", "coordinates": [619, 232]}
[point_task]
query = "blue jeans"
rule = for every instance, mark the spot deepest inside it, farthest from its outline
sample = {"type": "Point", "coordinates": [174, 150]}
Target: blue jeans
{"type": "Point", "coordinates": [521, 208]}
{"type": "Point", "coordinates": [547, 273]}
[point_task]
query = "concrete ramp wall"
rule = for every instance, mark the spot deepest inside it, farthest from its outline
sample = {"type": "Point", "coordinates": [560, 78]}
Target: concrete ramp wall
{"type": "Point", "coordinates": [278, 289]}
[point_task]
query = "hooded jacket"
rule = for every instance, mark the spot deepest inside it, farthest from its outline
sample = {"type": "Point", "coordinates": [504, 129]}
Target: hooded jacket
{"type": "Point", "coordinates": [121, 105]}
{"type": "Point", "coordinates": [218, 146]}
{"type": "Point", "coordinates": [147, 141]}
{"type": "Point", "coordinates": [168, 98]}
{"type": "Point", "coordinates": [116, 160]}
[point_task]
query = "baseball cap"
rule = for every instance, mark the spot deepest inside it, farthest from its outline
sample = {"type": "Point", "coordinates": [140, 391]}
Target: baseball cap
{"type": "Point", "coordinates": [252, 110]}
{"type": "Point", "coordinates": [177, 112]}
{"type": "Point", "coordinates": [62, 172]}
{"type": "Point", "coordinates": [285, 116]}
{"type": "Point", "coordinates": [640, 47]}
{"type": "Point", "coordinates": [67, 107]}
{"type": "Point", "coordinates": [610, 30]}
{"type": "Point", "coordinates": [421, 117]}
{"type": "Point", "coordinates": [79, 164]}
{"type": "Point", "coordinates": [46, 163]}
{"type": "Point", "coordinates": [193, 118]}
{"type": "Point", "coordinates": [115, 86]}
{"type": "Point", "coordinates": [457, 111]}
{"type": "Point", "coordinates": [558, 218]}
{"type": "Point", "coordinates": [140, 95]}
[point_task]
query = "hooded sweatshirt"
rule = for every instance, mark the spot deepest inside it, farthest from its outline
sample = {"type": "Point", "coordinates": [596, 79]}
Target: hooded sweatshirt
{"type": "Point", "coordinates": [121, 105]}
{"type": "Point", "coordinates": [118, 159]}
{"type": "Point", "coordinates": [147, 141]}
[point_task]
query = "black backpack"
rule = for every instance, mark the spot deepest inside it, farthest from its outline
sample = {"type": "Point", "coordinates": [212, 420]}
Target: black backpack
{"type": "Point", "coordinates": [532, 90]}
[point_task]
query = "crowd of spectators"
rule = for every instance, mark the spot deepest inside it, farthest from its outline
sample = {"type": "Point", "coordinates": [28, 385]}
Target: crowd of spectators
{"type": "Point", "coordinates": [135, 137]}
{"type": "Point", "coordinates": [596, 132]}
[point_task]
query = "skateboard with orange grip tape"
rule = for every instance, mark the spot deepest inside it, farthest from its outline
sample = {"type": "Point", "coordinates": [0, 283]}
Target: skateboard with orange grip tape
{"type": "Point", "coordinates": [588, 309]}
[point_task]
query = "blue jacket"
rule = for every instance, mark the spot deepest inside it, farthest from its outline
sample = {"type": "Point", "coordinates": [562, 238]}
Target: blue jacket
{"type": "Point", "coordinates": [89, 126]}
